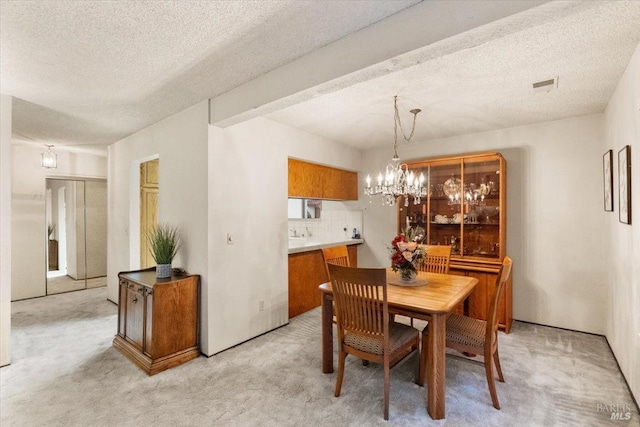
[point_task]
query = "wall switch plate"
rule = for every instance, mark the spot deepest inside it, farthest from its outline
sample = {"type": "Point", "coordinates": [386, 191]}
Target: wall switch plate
{"type": "Point", "coordinates": [261, 305]}
{"type": "Point", "coordinates": [229, 239]}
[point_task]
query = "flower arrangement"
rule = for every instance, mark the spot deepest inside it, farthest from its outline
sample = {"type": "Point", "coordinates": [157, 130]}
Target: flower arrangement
{"type": "Point", "coordinates": [406, 256]}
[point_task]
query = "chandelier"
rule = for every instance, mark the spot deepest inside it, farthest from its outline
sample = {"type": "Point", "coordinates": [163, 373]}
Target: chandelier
{"type": "Point", "coordinates": [49, 159]}
{"type": "Point", "coordinates": [398, 180]}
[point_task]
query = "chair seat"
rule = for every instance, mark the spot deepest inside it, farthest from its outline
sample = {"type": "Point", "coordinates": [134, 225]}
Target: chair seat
{"type": "Point", "coordinates": [399, 335]}
{"type": "Point", "coordinates": [466, 331]}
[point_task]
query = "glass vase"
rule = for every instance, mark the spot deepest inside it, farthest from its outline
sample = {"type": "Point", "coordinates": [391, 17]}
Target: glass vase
{"type": "Point", "coordinates": [408, 275]}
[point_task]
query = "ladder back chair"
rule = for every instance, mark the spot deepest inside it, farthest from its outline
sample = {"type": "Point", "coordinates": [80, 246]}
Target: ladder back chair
{"type": "Point", "coordinates": [437, 260]}
{"type": "Point", "coordinates": [335, 255]}
{"type": "Point", "coordinates": [364, 327]}
{"type": "Point", "coordinates": [475, 336]}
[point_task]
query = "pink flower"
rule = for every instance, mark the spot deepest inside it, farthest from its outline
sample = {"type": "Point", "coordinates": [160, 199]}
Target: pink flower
{"type": "Point", "coordinates": [407, 246]}
{"type": "Point", "coordinates": [407, 255]}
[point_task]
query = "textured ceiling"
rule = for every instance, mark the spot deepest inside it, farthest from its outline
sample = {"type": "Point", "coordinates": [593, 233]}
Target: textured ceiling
{"type": "Point", "coordinates": [481, 80]}
{"type": "Point", "coordinates": [88, 73]}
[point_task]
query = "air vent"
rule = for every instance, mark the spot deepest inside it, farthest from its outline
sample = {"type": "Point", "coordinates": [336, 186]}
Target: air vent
{"type": "Point", "coordinates": [546, 85]}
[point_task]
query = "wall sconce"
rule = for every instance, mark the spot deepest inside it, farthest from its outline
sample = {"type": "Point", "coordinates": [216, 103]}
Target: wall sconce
{"type": "Point", "coordinates": [49, 159]}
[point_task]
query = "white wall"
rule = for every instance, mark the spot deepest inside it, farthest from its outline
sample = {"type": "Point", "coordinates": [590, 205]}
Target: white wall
{"type": "Point", "coordinates": [28, 222]}
{"type": "Point", "coordinates": [180, 142]}
{"type": "Point", "coordinates": [554, 216]}
{"type": "Point", "coordinates": [622, 127]}
{"type": "Point", "coordinates": [5, 228]}
{"type": "Point", "coordinates": [248, 198]}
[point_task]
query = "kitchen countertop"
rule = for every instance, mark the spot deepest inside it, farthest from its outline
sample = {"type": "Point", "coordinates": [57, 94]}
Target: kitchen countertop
{"type": "Point", "coordinates": [307, 244]}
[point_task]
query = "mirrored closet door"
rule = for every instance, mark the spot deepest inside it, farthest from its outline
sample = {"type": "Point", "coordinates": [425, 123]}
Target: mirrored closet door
{"type": "Point", "coordinates": [76, 212]}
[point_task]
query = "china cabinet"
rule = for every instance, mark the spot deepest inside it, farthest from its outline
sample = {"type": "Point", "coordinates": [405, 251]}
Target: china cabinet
{"type": "Point", "coordinates": [465, 208]}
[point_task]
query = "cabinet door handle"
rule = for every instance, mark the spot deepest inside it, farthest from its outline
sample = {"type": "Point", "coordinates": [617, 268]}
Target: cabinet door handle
{"type": "Point", "coordinates": [135, 299]}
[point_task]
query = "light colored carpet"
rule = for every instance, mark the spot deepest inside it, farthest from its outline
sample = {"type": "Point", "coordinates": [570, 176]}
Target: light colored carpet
{"type": "Point", "coordinates": [65, 372]}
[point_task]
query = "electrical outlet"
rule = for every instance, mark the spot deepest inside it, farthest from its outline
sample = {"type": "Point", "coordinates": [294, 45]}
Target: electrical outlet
{"type": "Point", "coordinates": [229, 239]}
{"type": "Point", "coordinates": [261, 305]}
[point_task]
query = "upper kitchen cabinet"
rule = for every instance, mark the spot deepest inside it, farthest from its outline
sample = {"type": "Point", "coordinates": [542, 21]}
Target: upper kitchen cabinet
{"type": "Point", "coordinates": [313, 181]}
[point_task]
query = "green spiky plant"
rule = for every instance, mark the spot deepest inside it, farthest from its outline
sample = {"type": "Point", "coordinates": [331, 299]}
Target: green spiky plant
{"type": "Point", "coordinates": [164, 242]}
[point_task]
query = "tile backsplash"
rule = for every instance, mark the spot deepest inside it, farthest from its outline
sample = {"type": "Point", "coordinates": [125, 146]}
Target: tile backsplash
{"type": "Point", "coordinates": [331, 225]}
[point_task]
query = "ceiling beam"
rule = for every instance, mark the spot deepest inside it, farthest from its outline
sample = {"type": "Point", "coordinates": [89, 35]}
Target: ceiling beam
{"type": "Point", "coordinates": [360, 56]}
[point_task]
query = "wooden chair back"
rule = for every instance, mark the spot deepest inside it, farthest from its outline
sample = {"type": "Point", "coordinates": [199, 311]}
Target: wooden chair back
{"type": "Point", "coordinates": [336, 255]}
{"type": "Point", "coordinates": [360, 296]}
{"type": "Point", "coordinates": [362, 312]}
{"type": "Point", "coordinates": [492, 320]}
{"type": "Point", "coordinates": [438, 258]}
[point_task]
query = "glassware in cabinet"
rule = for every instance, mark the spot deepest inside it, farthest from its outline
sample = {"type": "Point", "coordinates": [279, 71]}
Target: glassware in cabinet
{"type": "Point", "coordinates": [482, 206]}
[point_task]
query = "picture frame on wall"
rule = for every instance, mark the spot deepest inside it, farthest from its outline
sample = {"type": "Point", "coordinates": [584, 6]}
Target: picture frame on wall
{"type": "Point", "coordinates": [607, 173]}
{"type": "Point", "coordinates": [624, 184]}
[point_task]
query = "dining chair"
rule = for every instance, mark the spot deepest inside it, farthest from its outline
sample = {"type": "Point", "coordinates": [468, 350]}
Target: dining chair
{"type": "Point", "coordinates": [475, 336]}
{"type": "Point", "coordinates": [335, 255]}
{"type": "Point", "coordinates": [437, 260]}
{"type": "Point", "coordinates": [363, 323]}
{"type": "Point", "coordinates": [339, 255]}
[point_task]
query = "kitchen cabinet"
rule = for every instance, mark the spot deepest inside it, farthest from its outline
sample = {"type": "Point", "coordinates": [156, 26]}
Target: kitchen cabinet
{"type": "Point", "coordinates": [313, 181]}
{"type": "Point", "coordinates": [306, 272]}
{"type": "Point", "coordinates": [465, 208]}
{"type": "Point", "coordinates": [158, 319]}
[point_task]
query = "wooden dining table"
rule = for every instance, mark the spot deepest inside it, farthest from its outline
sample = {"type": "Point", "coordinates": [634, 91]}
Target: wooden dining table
{"type": "Point", "coordinates": [435, 297]}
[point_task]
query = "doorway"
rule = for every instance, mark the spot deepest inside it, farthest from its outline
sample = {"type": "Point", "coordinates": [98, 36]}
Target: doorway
{"type": "Point", "coordinates": [76, 218]}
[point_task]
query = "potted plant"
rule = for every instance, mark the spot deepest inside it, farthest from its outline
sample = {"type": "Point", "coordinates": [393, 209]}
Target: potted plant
{"type": "Point", "coordinates": [164, 242]}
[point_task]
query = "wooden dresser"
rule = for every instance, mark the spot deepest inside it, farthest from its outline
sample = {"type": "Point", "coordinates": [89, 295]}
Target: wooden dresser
{"type": "Point", "coordinates": [158, 319]}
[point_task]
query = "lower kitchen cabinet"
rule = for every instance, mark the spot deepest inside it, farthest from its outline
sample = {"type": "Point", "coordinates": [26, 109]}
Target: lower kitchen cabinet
{"type": "Point", "coordinates": [306, 273]}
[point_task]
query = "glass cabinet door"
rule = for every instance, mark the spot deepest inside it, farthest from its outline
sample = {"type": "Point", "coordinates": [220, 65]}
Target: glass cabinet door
{"type": "Point", "coordinates": [482, 219]}
{"type": "Point", "coordinates": [445, 211]}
